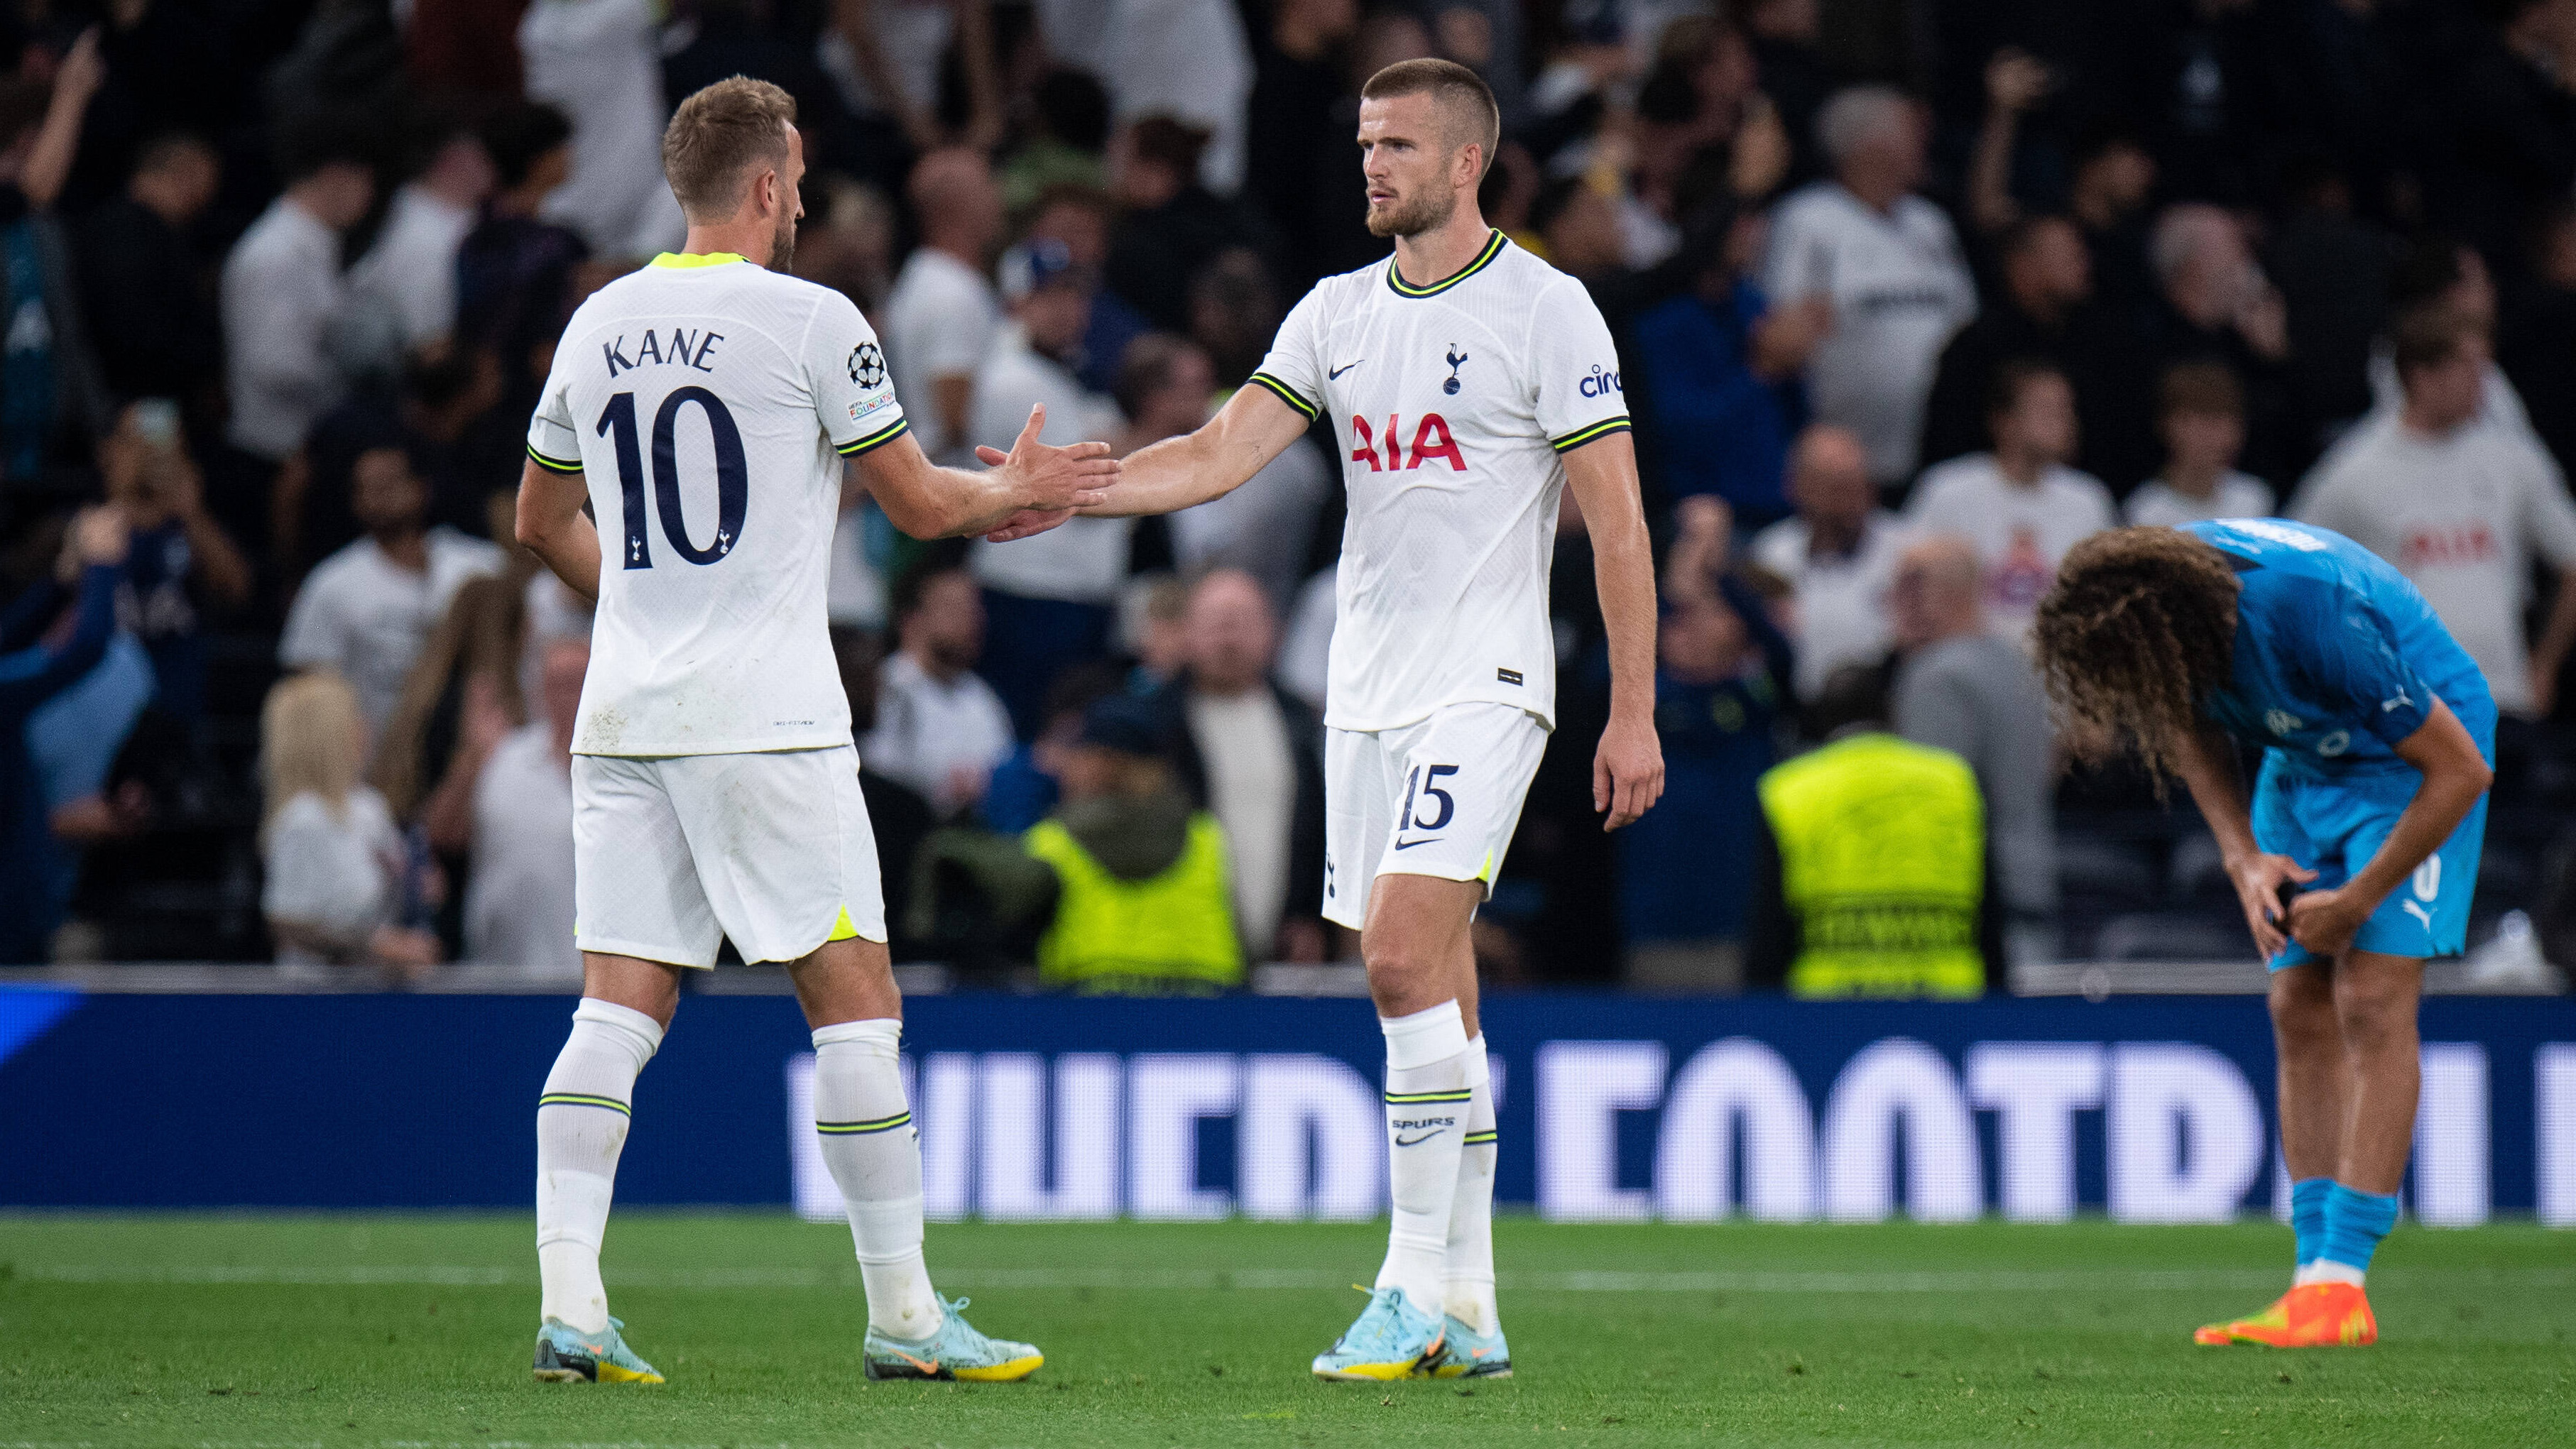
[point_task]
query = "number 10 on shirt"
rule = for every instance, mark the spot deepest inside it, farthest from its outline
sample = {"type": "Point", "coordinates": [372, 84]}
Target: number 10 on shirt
{"type": "Point", "coordinates": [733, 475]}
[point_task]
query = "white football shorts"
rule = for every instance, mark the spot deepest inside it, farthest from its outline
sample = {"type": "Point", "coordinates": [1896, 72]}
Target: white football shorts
{"type": "Point", "coordinates": [674, 853]}
{"type": "Point", "coordinates": [1440, 797]}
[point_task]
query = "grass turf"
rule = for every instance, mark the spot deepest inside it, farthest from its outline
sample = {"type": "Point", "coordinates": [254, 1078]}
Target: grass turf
{"type": "Point", "coordinates": [414, 1331]}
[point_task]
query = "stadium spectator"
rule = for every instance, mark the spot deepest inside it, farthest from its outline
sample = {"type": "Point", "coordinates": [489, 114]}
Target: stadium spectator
{"type": "Point", "coordinates": [1838, 555]}
{"type": "Point", "coordinates": [1143, 903]}
{"type": "Point", "coordinates": [943, 313]}
{"type": "Point", "coordinates": [2040, 312]}
{"type": "Point", "coordinates": [2200, 410]}
{"type": "Point", "coordinates": [2439, 274]}
{"type": "Point", "coordinates": [518, 895]}
{"type": "Point", "coordinates": [145, 286]}
{"type": "Point", "coordinates": [468, 690]}
{"type": "Point", "coordinates": [2114, 178]}
{"type": "Point", "coordinates": [1888, 264]}
{"type": "Point", "coordinates": [1252, 755]}
{"type": "Point", "coordinates": [36, 665]}
{"type": "Point", "coordinates": [1265, 528]}
{"type": "Point", "coordinates": [339, 875]}
{"type": "Point", "coordinates": [1578, 231]}
{"type": "Point", "coordinates": [181, 561]}
{"type": "Point", "coordinates": [1871, 875]}
{"type": "Point", "coordinates": [283, 293]}
{"type": "Point", "coordinates": [1172, 224]}
{"type": "Point", "coordinates": [2512, 122]}
{"type": "Point", "coordinates": [2020, 505]}
{"type": "Point", "coordinates": [1048, 598]}
{"type": "Point", "coordinates": [886, 59]}
{"type": "Point", "coordinates": [1067, 143]}
{"type": "Point", "coordinates": [1961, 689]}
{"type": "Point", "coordinates": [1722, 683]}
{"type": "Point", "coordinates": [53, 405]}
{"type": "Point", "coordinates": [366, 610]}
{"type": "Point", "coordinates": [2333, 268]}
{"type": "Point", "coordinates": [1186, 63]}
{"type": "Point", "coordinates": [2461, 507]}
{"type": "Point", "coordinates": [1080, 217]}
{"type": "Point", "coordinates": [411, 270]}
{"type": "Point", "coordinates": [1297, 139]}
{"type": "Point", "coordinates": [2213, 305]}
{"type": "Point", "coordinates": [1796, 76]}
{"type": "Point", "coordinates": [940, 729]}
{"type": "Point", "coordinates": [1234, 313]}
{"type": "Point", "coordinates": [514, 271]}
{"type": "Point", "coordinates": [599, 63]}
{"type": "Point", "coordinates": [1719, 367]}
{"type": "Point", "coordinates": [1158, 632]}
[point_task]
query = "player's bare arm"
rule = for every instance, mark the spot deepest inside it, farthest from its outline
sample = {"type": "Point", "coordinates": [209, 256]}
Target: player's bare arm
{"type": "Point", "coordinates": [2455, 775]}
{"type": "Point", "coordinates": [2207, 765]}
{"type": "Point", "coordinates": [553, 527]}
{"type": "Point", "coordinates": [1176, 473]}
{"type": "Point", "coordinates": [1628, 769]}
{"type": "Point", "coordinates": [1033, 479]}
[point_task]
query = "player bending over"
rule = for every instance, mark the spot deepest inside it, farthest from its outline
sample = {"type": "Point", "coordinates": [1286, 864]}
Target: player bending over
{"type": "Point", "coordinates": [704, 406]}
{"type": "Point", "coordinates": [1468, 383]}
{"type": "Point", "coordinates": [2377, 737]}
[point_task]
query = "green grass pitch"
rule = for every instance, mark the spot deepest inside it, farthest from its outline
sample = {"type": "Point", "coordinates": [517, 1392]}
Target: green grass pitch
{"type": "Point", "coordinates": [414, 1331]}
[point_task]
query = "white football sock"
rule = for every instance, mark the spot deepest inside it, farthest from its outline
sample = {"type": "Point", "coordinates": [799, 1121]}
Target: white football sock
{"type": "Point", "coordinates": [581, 1128]}
{"type": "Point", "coordinates": [874, 1153]}
{"type": "Point", "coordinates": [1426, 1126]}
{"type": "Point", "coordinates": [1467, 1291]}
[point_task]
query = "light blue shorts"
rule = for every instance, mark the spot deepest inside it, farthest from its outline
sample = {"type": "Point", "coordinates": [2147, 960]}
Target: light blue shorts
{"type": "Point", "coordinates": [2335, 826]}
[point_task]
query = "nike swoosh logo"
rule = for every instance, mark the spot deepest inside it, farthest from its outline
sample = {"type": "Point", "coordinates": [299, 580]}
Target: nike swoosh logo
{"type": "Point", "coordinates": [1411, 1141]}
{"type": "Point", "coordinates": [1333, 372]}
{"type": "Point", "coordinates": [1409, 844]}
{"type": "Point", "coordinates": [931, 1368]}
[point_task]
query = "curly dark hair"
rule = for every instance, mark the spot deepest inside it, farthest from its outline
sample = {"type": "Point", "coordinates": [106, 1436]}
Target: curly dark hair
{"type": "Point", "coordinates": [2138, 632]}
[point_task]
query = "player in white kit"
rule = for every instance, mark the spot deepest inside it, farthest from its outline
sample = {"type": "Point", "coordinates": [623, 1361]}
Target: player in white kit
{"type": "Point", "coordinates": [704, 407]}
{"type": "Point", "coordinates": [1468, 384]}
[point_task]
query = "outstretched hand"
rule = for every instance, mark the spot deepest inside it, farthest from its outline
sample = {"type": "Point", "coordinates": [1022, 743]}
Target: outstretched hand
{"type": "Point", "coordinates": [1046, 479]}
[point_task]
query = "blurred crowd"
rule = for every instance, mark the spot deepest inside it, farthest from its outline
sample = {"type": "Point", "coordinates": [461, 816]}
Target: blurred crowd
{"type": "Point", "coordinates": [1911, 295]}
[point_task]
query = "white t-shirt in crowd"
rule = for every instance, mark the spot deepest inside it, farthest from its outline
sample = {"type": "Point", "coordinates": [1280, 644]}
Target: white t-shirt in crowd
{"type": "Point", "coordinates": [600, 63]}
{"type": "Point", "coordinates": [746, 390]}
{"type": "Point", "coordinates": [1842, 598]}
{"type": "Point", "coordinates": [1252, 791]}
{"type": "Point", "coordinates": [931, 732]}
{"type": "Point", "coordinates": [1899, 289]}
{"type": "Point", "coordinates": [412, 267]}
{"type": "Point", "coordinates": [1188, 60]}
{"type": "Point", "coordinates": [2158, 504]}
{"type": "Point", "coordinates": [2461, 516]}
{"type": "Point", "coordinates": [1082, 560]}
{"type": "Point", "coordinates": [336, 870]}
{"type": "Point", "coordinates": [518, 892]}
{"type": "Point", "coordinates": [366, 616]}
{"type": "Point", "coordinates": [2021, 533]}
{"type": "Point", "coordinates": [1453, 402]}
{"type": "Point", "coordinates": [939, 322]}
{"type": "Point", "coordinates": [282, 291]}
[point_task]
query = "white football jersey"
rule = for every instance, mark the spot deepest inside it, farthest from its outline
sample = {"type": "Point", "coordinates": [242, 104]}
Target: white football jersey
{"type": "Point", "coordinates": [710, 403]}
{"type": "Point", "coordinates": [1451, 404]}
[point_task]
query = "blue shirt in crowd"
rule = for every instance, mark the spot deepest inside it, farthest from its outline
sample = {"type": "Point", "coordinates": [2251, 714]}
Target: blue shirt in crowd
{"type": "Point", "coordinates": [1720, 428]}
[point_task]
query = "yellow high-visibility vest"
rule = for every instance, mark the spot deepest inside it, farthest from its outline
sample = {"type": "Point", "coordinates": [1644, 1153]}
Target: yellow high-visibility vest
{"type": "Point", "coordinates": [1883, 860]}
{"type": "Point", "coordinates": [1176, 928]}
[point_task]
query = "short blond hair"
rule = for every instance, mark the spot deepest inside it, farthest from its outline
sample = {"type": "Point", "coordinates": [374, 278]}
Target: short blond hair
{"type": "Point", "coordinates": [717, 136]}
{"type": "Point", "coordinates": [311, 741]}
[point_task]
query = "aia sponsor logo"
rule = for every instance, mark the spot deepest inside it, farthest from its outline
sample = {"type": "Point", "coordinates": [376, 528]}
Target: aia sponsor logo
{"type": "Point", "coordinates": [1431, 442]}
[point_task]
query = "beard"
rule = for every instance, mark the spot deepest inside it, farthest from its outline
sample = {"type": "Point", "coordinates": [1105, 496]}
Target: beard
{"type": "Point", "coordinates": [1413, 215]}
{"type": "Point", "coordinates": [782, 247]}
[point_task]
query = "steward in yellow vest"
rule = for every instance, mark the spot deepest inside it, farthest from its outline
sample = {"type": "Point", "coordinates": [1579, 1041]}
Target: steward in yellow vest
{"type": "Point", "coordinates": [1882, 879]}
{"type": "Point", "coordinates": [1143, 905]}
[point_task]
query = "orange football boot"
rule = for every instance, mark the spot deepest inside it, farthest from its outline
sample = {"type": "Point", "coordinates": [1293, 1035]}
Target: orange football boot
{"type": "Point", "coordinates": [2317, 1315]}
